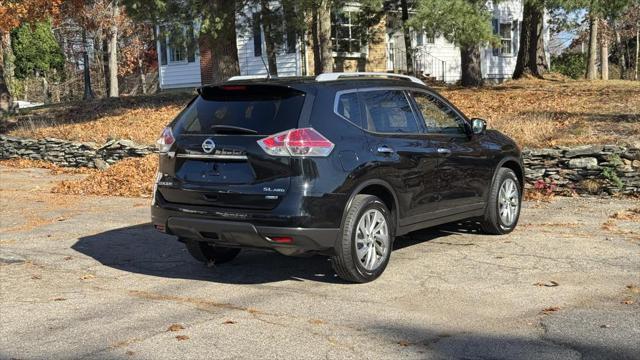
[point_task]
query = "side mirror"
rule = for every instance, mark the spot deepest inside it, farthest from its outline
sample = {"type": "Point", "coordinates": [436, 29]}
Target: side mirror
{"type": "Point", "coordinates": [479, 126]}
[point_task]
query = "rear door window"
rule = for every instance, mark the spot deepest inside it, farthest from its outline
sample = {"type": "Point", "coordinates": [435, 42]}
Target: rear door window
{"type": "Point", "coordinates": [388, 111]}
{"type": "Point", "coordinates": [238, 109]}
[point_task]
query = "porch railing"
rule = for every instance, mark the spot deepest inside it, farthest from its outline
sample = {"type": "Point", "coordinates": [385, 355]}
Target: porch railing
{"type": "Point", "coordinates": [424, 64]}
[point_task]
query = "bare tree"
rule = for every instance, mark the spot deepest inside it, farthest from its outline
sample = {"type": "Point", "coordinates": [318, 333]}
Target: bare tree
{"type": "Point", "coordinates": [593, 47]}
{"type": "Point", "coordinates": [113, 50]}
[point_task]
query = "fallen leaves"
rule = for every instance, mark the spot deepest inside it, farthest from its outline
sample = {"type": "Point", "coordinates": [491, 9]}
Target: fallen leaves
{"type": "Point", "coordinates": [627, 215]}
{"type": "Point", "coordinates": [87, 277]}
{"type": "Point", "coordinates": [132, 177]}
{"type": "Point", "coordinates": [627, 302]}
{"type": "Point", "coordinates": [228, 322]}
{"type": "Point", "coordinates": [550, 310]}
{"type": "Point", "coordinates": [175, 327]}
{"type": "Point", "coordinates": [182, 337]}
{"type": "Point", "coordinates": [549, 284]}
{"type": "Point", "coordinates": [633, 288]}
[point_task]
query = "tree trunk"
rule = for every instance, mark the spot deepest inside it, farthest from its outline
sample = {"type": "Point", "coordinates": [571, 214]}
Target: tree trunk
{"type": "Point", "coordinates": [5, 93]}
{"type": "Point", "coordinates": [102, 62]}
{"type": "Point", "coordinates": [532, 59]}
{"type": "Point", "coordinates": [315, 26]}
{"type": "Point", "coordinates": [604, 57]}
{"type": "Point", "coordinates": [620, 51]}
{"type": "Point", "coordinates": [324, 34]}
{"type": "Point", "coordinates": [267, 26]}
{"type": "Point", "coordinates": [222, 39]}
{"type": "Point", "coordinates": [593, 48]}
{"type": "Point", "coordinates": [143, 78]}
{"type": "Point", "coordinates": [471, 64]}
{"type": "Point", "coordinates": [88, 91]}
{"type": "Point", "coordinates": [407, 37]}
{"type": "Point", "coordinates": [635, 77]}
{"type": "Point", "coordinates": [113, 50]}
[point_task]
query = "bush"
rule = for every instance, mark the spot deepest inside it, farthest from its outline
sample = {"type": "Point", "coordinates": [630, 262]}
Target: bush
{"type": "Point", "coordinates": [572, 65]}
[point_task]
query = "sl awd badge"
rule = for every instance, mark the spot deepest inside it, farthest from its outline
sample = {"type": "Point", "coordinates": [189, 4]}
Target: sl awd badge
{"type": "Point", "coordinates": [208, 146]}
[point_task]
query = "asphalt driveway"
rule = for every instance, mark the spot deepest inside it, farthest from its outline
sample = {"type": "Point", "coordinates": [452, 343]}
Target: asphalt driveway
{"type": "Point", "coordinates": [86, 276]}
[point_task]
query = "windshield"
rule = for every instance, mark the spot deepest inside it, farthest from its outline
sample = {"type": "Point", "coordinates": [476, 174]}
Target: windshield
{"type": "Point", "coordinates": [251, 110]}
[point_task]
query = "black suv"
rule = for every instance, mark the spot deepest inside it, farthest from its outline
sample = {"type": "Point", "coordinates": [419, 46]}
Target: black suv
{"type": "Point", "coordinates": [339, 165]}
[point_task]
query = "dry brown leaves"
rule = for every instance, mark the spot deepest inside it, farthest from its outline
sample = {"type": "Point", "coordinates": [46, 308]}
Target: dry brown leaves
{"type": "Point", "coordinates": [538, 196]}
{"type": "Point", "coordinates": [136, 118]}
{"type": "Point", "coordinates": [132, 177]}
{"type": "Point", "coordinates": [628, 215]}
{"type": "Point", "coordinates": [541, 113]}
{"type": "Point", "coordinates": [175, 327]}
{"type": "Point", "coordinates": [550, 310]}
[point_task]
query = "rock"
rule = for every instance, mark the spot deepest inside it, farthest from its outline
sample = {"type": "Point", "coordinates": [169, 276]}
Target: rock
{"type": "Point", "coordinates": [589, 163]}
{"type": "Point", "coordinates": [546, 152]}
{"type": "Point", "coordinates": [101, 164]}
{"type": "Point", "coordinates": [586, 150]}
{"type": "Point", "coordinates": [631, 154]}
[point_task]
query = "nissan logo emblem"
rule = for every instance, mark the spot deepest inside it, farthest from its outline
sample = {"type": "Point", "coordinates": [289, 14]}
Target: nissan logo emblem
{"type": "Point", "coordinates": [208, 146]}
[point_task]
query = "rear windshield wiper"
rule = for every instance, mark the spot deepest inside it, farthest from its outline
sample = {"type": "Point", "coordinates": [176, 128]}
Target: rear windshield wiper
{"type": "Point", "coordinates": [232, 129]}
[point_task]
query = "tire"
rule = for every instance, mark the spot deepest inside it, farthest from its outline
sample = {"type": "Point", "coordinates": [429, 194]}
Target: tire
{"type": "Point", "coordinates": [363, 256]}
{"type": "Point", "coordinates": [496, 221]}
{"type": "Point", "coordinates": [206, 253]}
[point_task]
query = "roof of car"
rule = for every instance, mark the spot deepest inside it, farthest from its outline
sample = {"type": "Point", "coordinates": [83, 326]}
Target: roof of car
{"type": "Point", "coordinates": [345, 82]}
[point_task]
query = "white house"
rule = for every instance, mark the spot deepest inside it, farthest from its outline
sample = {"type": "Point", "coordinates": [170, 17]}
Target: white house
{"type": "Point", "coordinates": [180, 64]}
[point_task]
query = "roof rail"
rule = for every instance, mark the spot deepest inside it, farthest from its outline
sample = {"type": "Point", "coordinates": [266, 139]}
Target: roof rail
{"type": "Point", "coordinates": [247, 77]}
{"type": "Point", "coordinates": [336, 75]}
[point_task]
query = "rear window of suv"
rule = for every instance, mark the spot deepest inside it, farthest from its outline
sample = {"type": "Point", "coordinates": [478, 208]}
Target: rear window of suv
{"type": "Point", "coordinates": [240, 109]}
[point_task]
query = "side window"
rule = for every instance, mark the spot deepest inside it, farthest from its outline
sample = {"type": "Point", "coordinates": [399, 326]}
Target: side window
{"type": "Point", "coordinates": [388, 111]}
{"type": "Point", "coordinates": [349, 107]}
{"type": "Point", "coordinates": [438, 116]}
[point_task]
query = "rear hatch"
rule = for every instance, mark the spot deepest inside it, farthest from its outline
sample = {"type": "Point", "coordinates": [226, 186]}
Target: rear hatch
{"type": "Point", "coordinates": [218, 161]}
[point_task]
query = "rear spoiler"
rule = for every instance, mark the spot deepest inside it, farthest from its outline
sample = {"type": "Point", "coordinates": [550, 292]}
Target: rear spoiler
{"type": "Point", "coordinates": [247, 92]}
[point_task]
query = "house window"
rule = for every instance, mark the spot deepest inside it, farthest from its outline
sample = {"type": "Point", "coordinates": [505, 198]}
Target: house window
{"type": "Point", "coordinates": [177, 44]}
{"type": "Point", "coordinates": [347, 36]}
{"type": "Point", "coordinates": [505, 31]}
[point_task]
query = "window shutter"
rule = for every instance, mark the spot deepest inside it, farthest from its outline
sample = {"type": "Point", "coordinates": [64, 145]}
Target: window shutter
{"type": "Point", "coordinates": [257, 36]}
{"type": "Point", "coordinates": [516, 37]}
{"type": "Point", "coordinates": [496, 31]}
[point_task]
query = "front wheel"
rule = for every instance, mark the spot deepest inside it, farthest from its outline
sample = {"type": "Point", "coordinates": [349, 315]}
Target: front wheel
{"type": "Point", "coordinates": [364, 248]}
{"type": "Point", "coordinates": [206, 253]}
{"type": "Point", "coordinates": [503, 208]}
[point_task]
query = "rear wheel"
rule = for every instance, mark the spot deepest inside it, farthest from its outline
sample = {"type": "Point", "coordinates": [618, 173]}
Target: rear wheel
{"type": "Point", "coordinates": [206, 253]}
{"type": "Point", "coordinates": [503, 209]}
{"type": "Point", "coordinates": [364, 247]}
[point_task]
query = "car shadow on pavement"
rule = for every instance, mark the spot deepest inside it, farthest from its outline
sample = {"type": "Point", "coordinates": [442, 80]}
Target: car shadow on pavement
{"type": "Point", "coordinates": [141, 249]}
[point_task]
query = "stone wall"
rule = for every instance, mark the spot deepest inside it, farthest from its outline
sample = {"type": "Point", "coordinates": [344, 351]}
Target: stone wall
{"type": "Point", "coordinates": [592, 169]}
{"type": "Point", "coordinates": [71, 154]}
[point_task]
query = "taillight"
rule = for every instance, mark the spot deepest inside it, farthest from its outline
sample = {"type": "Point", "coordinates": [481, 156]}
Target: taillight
{"type": "Point", "coordinates": [297, 142]}
{"type": "Point", "coordinates": [166, 140]}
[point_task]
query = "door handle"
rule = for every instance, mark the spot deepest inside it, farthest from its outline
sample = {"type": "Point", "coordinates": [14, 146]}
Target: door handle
{"type": "Point", "coordinates": [444, 151]}
{"type": "Point", "coordinates": [385, 150]}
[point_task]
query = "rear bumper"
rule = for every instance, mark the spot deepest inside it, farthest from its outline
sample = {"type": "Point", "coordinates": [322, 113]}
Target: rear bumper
{"type": "Point", "coordinates": [245, 234]}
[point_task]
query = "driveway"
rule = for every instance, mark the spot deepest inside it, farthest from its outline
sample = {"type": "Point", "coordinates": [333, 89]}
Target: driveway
{"type": "Point", "coordinates": [86, 276]}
